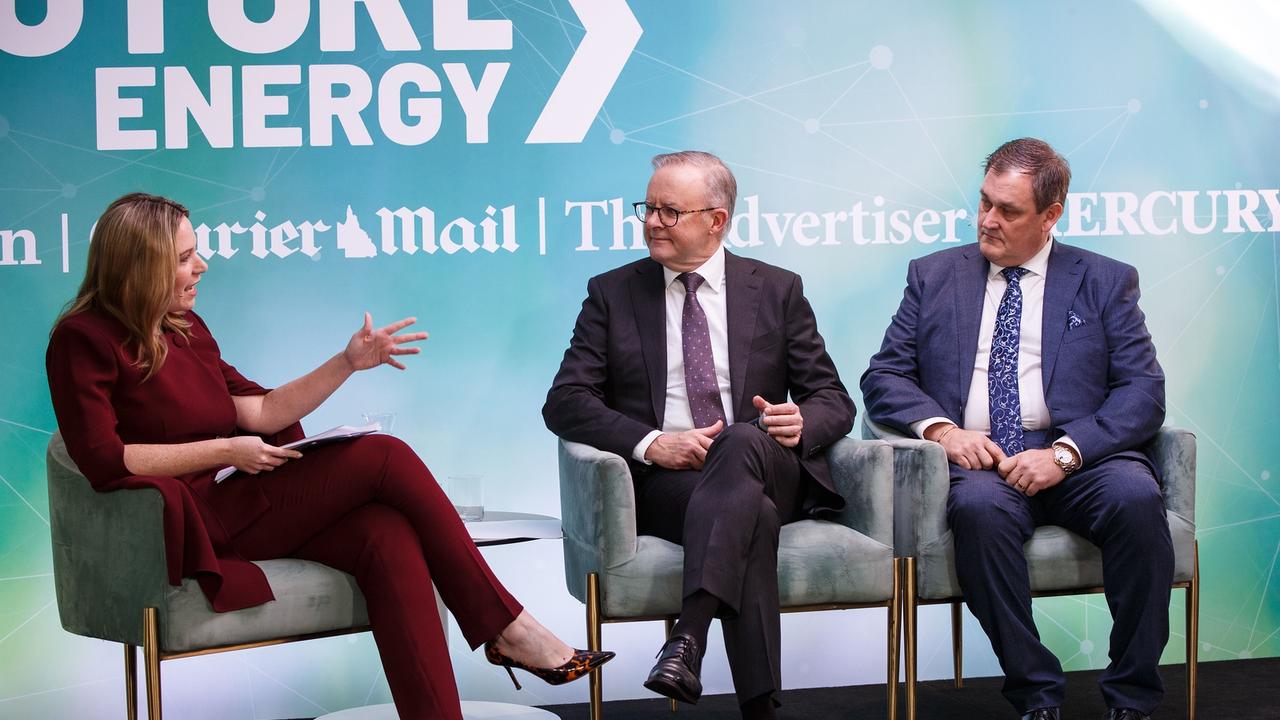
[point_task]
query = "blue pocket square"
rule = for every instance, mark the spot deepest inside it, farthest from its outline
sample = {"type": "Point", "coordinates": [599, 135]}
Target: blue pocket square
{"type": "Point", "coordinates": [1073, 320]}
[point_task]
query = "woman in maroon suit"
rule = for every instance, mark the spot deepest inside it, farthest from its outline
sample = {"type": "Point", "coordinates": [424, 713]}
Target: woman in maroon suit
{"type": "Point", "coordinates": [144, 399]}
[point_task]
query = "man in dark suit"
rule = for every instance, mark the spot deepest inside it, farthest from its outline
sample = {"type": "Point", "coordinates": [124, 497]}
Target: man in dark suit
{"type": "Point", "coordinates": [683, 363]}
{"type": "Point", "coordinates": [1030, 362]}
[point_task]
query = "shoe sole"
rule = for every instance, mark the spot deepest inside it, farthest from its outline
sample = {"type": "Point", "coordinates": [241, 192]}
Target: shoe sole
{"type": "Point", "coordinates": [671, 690]}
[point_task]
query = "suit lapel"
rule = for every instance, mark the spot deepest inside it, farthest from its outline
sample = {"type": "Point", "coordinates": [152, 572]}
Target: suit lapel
{"type": "Point", "coordinates": [649, 303]}
{"type": "Point", "coordinates": [971, 288]}
{"type": "Point", "coordinates": [742, 304]}
{"type": "Point", "coordinates": [1061, 282]}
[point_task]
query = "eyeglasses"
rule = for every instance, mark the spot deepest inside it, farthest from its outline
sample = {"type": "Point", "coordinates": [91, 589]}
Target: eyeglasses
{"type": "Point", "coordinates": [668, 216]}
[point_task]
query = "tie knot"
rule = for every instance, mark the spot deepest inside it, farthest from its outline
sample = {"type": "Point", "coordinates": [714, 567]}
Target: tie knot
{"type": "Point", "coordinates": [1014, 274]}
{"type": "Point", "coordinates": [692, 281]}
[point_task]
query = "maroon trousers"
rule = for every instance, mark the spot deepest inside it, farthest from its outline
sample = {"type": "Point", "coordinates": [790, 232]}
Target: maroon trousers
{"type": "Point", "coordinates": [371, 508]}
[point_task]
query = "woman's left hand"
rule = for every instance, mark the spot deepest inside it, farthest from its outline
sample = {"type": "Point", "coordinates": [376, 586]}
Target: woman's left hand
{"type": "Point", "coordinates": [369, 348]}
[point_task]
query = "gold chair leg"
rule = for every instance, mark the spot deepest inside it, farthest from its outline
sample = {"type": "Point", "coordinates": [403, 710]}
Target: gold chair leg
{"type": "Point", "coordinates": [131, 681]}
{"type": "Point", "coordinates": [593, 643]}
{"type": "Point", "coordinates": [895, 634]}
{"type": "Point", "coordinates": [1193, 629]}
{"type": "Point", "coordinates": [151, 660]}
{"type": "Point", "coordinates": [670, 624]}
{"type": "Point", "coordinates": [909, 628]}
{"type": "Point", "coordinates": [957, 643]}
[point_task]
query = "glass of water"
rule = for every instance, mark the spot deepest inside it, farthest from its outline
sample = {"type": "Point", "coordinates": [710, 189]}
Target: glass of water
{"type": "Point", "coordinates": [384, 420]}
{"type": "Point", "coordinates": [466, 491]}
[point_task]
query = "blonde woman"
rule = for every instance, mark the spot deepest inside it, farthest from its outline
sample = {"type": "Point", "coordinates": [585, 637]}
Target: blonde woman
{"type": "Point", "coordinates": [144, 399]}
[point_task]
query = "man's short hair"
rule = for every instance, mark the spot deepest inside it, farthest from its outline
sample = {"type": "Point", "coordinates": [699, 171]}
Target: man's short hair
{"type": "Point", "coordinates": [1049, 171]}
{"type": "Point", "coordinates": [722, 187]}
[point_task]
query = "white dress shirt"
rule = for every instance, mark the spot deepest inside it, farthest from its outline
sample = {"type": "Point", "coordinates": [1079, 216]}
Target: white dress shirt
{"type": "Point", "coordinates": [1035, 410]}
{"type": "Point", "coordinates": [677, 417]}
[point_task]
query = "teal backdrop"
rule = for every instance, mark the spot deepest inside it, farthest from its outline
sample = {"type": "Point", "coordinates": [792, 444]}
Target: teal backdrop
{"type": "Point", "coordinates": [856, 130]}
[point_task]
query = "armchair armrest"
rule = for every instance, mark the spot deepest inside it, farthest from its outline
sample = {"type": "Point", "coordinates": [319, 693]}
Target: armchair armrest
{"type": "Point", "coordinates": [1173, 450]}
{"type": "Point", "coordinates": [921, 483]}
{"type": "Point", "coordinates": [108, 552]}
{"type": "Point", "coordinates": [862, 471]}
{"type": "Point", "coordinates": [597, 512]}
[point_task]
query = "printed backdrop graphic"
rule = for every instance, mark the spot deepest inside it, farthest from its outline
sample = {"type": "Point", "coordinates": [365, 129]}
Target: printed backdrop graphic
{"type": "Point", "coordinates": [473, 163]}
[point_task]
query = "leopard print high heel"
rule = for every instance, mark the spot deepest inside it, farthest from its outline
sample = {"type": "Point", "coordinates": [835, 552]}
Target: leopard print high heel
{"type": "Point", "coordinates": [579, 665]}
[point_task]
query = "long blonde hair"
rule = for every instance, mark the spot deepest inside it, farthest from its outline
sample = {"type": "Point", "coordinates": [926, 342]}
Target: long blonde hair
{"type": "Point", "coordinates": [130, 273]}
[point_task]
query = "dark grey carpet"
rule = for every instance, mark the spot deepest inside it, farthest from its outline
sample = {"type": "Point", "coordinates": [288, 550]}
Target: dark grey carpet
{"type": "Point", "coordinates": [1240, 689]}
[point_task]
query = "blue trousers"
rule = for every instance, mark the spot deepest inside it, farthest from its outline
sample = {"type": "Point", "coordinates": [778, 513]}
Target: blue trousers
{"type": "Point", "coordinates": [1116, 504]}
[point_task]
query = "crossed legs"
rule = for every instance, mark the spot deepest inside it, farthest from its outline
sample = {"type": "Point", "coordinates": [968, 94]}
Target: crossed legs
{"type": "Point", "coordinates": [728, 516]}
{"type": "Point", "coordinates": [371, 508]}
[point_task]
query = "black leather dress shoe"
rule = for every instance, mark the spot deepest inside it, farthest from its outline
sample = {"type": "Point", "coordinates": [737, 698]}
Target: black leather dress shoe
{"type": "Point", "coordinates": [1049, 713]}
{"type": "Point", "coordinates": [1125, 714]}
{"type": "Point", "coordinates": [675, 675]}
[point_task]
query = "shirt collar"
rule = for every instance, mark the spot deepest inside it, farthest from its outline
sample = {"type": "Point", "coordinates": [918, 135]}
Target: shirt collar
{"type": "Point", "coordinates": [712, 271]}
{"type": "Point", "coordinates": [1037, 265]}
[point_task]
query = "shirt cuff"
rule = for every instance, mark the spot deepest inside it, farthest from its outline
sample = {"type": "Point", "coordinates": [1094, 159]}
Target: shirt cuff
{"type": "Point", "coordinates": [1066, 440]}
{"type": "Point", "coordinates": [919, 427]}
{"type": "Point", "coordinates": [643, 446]}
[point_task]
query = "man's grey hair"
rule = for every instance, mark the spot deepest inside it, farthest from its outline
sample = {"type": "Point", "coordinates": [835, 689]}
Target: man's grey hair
{"type": "Point", "coordinates": [722, 188]}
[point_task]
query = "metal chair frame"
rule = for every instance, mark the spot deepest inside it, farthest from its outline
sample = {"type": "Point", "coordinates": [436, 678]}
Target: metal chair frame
{"type": "Point", "coordinates": [596, 620]}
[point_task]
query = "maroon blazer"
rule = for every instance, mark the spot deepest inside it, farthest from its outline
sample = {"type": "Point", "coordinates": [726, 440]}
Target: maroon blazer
{"type": "Point", "coordinates": [102, 404]}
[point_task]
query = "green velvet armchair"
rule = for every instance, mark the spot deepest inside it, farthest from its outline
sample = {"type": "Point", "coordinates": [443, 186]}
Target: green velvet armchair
{"type": "Point", "coordinates": [111, 583]}
{"type": "Point", "coordinates": [1060, 562]}
{"type": "Point", "coordinates": [822, 565]}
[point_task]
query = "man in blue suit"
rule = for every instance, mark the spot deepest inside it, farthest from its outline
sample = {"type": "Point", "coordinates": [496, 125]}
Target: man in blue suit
{"type": "Point", "coordinates": [1029, 361]}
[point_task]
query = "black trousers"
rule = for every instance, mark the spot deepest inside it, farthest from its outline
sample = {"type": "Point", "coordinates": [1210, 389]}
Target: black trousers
{"type": "Point", "coordinates": [727, 516]}
{"type": "Point", "coordinates": [1116, 504]}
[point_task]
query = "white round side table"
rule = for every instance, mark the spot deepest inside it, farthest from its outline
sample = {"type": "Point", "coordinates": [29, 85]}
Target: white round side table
{"type": "Point", "coordinates": [503, 528]}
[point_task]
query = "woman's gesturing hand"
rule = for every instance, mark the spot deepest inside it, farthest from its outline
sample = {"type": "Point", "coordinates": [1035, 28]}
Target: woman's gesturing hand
{"type": "Point", "coordinates": [369, 348]}
{"type": "Point", "coordinates": [250, 454]}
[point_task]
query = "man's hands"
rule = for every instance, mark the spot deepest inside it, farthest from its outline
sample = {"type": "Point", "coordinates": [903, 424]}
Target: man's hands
{"type": "Point", "coordinates": [683, 450]}
{"type": "Point", "coordinates": [969, 449]}
{"type": "Point", "coordinates": [783, 422]}
{"type": "Point", "coordinates": [1031, 471]}
{"type": "Point", "coordinates": [688, 450]}
{"type": "Point", "coordinates": [369, 348]}
{"type": "Point", "coordinates": [248, 453]}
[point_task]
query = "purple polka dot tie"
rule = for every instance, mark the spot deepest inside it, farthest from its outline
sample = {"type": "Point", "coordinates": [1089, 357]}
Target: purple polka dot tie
{"type": "Point", "coordinates": [1002, 371]}
{"type": "Point", "coordinates": [699, 365]}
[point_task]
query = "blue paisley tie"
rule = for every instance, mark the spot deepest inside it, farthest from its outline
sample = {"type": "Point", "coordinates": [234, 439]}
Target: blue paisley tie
{"type": "Point", "coordinates": [1002, 373]}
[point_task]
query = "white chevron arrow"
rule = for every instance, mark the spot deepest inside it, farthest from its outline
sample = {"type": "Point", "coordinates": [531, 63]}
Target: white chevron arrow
{"type": "Point", "coordinates": [611, 34]}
